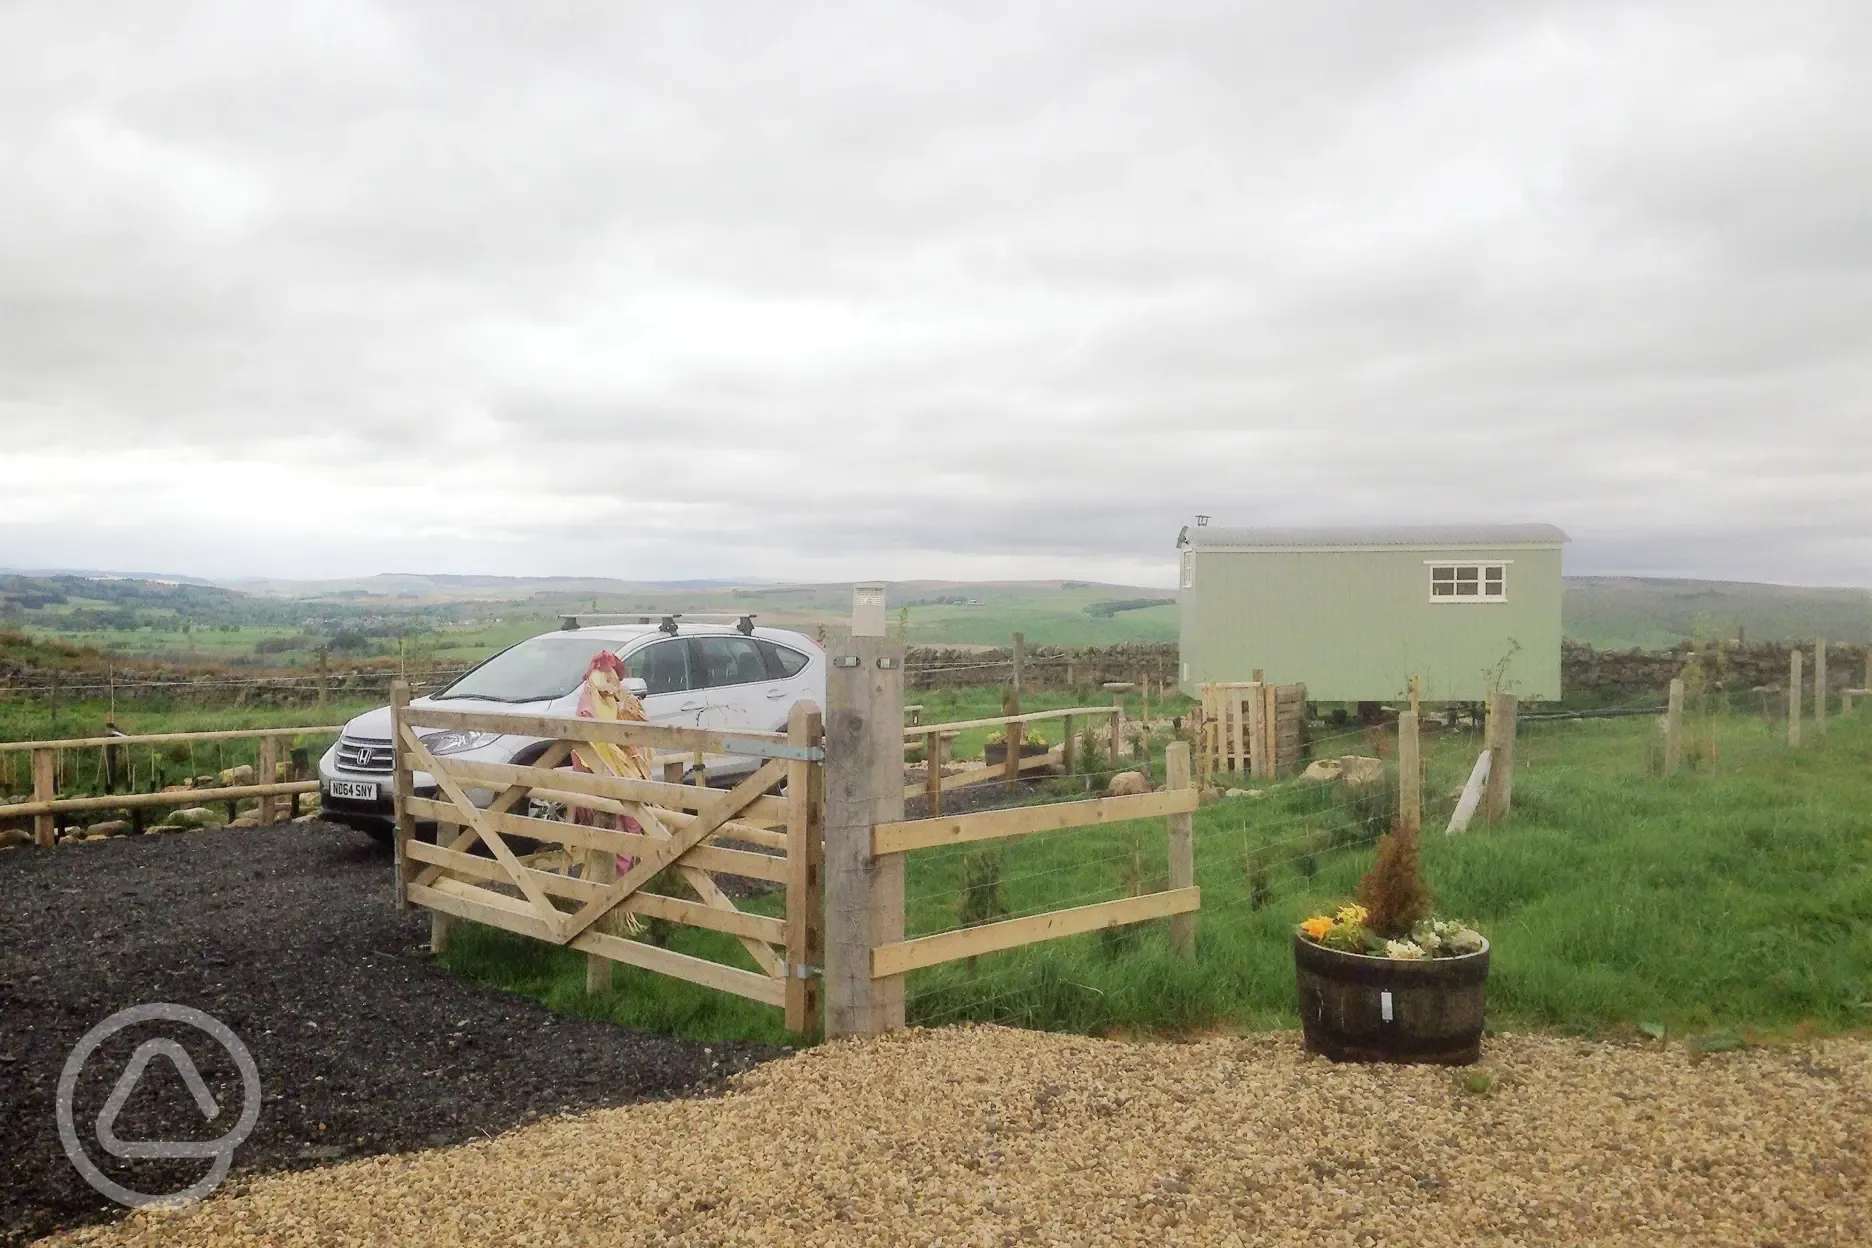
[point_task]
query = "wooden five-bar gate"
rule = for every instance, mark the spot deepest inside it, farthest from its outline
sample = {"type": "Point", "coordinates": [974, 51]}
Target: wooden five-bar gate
{"type": "Point", "coordinates": [570, 881]}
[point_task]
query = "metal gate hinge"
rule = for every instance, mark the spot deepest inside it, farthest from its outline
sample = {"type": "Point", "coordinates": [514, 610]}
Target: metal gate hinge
{"type": "Point", "coordinates": [886, 662]}
{"type": "Point", "coordinates": [800, 970]}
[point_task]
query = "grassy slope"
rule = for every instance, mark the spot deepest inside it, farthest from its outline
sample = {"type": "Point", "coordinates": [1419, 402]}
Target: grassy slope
{"type": "Point", "coordinates": [1732, 895]}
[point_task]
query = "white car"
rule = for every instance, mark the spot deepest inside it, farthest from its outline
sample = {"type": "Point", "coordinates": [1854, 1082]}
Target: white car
{"type": "Point", "coordinates": [692, 675]}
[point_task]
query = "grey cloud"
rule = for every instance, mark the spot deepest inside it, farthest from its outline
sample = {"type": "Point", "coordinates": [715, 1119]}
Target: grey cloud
{"type": "Point", "coordinates": [855, 286]}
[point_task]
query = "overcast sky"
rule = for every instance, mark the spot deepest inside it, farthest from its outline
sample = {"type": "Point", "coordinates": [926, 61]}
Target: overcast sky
{"type": "Point", "coordinates": [827, 291]}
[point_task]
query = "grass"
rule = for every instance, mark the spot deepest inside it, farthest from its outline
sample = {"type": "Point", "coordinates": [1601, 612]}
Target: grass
{"type": "Point", "coordinates": [1731, 896]}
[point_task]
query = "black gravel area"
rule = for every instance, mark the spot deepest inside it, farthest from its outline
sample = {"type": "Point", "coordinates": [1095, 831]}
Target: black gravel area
{"type": "Point", "coordinates": [290, 937]}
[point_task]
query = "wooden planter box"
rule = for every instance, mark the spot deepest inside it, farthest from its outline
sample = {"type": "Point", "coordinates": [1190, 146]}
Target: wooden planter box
{"type": "Point", "coordinates": [1355, 1008]}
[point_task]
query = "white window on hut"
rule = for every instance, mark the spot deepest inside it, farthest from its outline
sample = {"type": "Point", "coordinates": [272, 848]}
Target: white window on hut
{"type": "Point", "coordinates": [1468, 582]}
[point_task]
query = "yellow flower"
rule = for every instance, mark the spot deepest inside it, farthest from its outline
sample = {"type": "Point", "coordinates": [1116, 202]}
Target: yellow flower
{"type": "Point", "coordinates": [1317, 926]}
{"type": "Point", "coordinates": [1353, 913]}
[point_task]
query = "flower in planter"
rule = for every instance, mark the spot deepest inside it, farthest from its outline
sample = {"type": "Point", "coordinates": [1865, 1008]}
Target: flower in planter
{"type": "Point", "coordinates": [1392, 917]}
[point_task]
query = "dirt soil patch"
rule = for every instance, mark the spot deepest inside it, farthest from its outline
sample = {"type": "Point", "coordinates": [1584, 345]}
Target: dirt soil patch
{"type": "Point", "coordinates": [289, 936]}
{"type": "Point", "coordinates": [990, 1136]}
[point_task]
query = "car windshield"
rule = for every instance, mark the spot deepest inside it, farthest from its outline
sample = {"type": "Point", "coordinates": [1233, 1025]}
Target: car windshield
{"type": "Point", "coordinates": [533, 671]}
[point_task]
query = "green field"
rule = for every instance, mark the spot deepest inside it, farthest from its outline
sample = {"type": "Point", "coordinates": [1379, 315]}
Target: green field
{"type": "Point", "coordinates": [1731, 896]}
{"type": "Point", "coordinates": [1616, 613]}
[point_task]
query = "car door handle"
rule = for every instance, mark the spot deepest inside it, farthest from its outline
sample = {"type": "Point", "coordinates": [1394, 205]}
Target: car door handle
{"type": "Point", "coordinates": [776, 694]}
{"type": "Point", "coordinates": [692, 706]}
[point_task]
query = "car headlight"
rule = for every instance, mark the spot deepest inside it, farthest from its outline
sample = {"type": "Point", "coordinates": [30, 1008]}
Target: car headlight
{"type": "Point", "coordinates": [456, 740]}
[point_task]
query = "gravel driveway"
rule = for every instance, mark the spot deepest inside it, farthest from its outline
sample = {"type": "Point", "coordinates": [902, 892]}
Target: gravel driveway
{"type": "Point", "coordinates": [288, 936]}
{"type": "Point", "coordinates": [990, 1136]}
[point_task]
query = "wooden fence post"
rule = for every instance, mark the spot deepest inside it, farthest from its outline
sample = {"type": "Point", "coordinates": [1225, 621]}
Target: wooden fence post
{"type": "Point", "coordinates": [402, 787]}
{"type": "Point", "coordinates": [1182, 831]}
{"type": "Point", "coordinates": [1794, 698]}
{"type": "Point", "coordinates": [1501, 749]}
{"type": "Point", "coordinates": [932, 769]}
{"type": "Point", "coordinates": [45, 789]}
{"type": "Point", "coordinates": [1820, 686]}
{"type": "Point", "coordinates": [805, 890]}
{"type": "Point", "coordinates": [1011, 737]}
{"type": "Point", "coordinates": [323, 672]}
{"type": "Point", "coordinates": [864, 787]}
{"type": "Point", "coordinates": [1673, 728]}
{"type": "Point", "coordinates": [1069, 747]}
{"type": "Point", "coordinates": [1117, 728]}
{"type": "Point", "coordinates": [1020, 648]}
{"type": "Point", "coordinates": [1410, 774]}
{"type": "Point", "coordinates": [264, 773]}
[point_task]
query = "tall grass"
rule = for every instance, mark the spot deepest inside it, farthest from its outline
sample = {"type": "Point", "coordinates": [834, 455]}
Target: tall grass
{"type": "Point", "coordinates": [1734, 894]}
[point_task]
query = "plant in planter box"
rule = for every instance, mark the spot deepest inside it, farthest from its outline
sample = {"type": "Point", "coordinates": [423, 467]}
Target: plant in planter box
{"type": "Point", "coordinates": [1383, 979]}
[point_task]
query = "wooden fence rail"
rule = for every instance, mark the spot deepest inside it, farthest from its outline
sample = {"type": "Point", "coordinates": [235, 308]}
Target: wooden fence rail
{"type": "Point", "coordinates": [47, 806]}
{"type": "Point", "coordinates": [936, 736]}
{"type": "Point", "coordinates": [1177, 803]}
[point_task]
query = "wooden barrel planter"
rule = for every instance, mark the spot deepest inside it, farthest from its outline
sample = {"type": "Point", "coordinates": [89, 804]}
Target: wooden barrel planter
{"type": "Point", "coordinates": [1355, 1008]}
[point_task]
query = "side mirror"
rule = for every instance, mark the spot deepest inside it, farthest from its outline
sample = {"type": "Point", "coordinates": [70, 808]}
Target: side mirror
{"type": "Point", "coordinates": [636, 687]}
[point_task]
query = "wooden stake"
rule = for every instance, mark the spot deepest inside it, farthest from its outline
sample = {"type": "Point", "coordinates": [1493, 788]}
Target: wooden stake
{"type": "Point", "coordinates": [1253, 729]}
{"type": "Point", "coordinates": [269, 774]}
{"type": "Point", "coordinates": [1673, 729]}
{"type": "Point", "coordinates": [600, 869]}
{"type": "Point", "coordinates": [45, 789]}
{"type": "Point", "coordinates": [1020, 648]}
{"type": "Point", "coordinates": [1182, 832]}
{"type": "Point", "coordinates": [1794, 699]}
{"type": "Point", "coordinates": [1820, 687]}
{"type": "Point", "coordinates": [864, 787]}
{"type": "Point", "coordinates": [439, 925]}
{"type": "Point", "coordinates": [805, 888]}
{"type": "Point", "coordinates": [1069, 748]}
{"type": "Point", "coordinates": [1410, 774]}
{"type": "Point", "coordinates": [932, 764]}
{"type": "Point", "coordinates": [1501, 747]}
{"type": "Point", "coordinates": [1117, 728]}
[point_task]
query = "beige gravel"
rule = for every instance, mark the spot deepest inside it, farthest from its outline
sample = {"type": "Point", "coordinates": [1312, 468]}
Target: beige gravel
{"type": "Point", "coordinates": [992, 1136]}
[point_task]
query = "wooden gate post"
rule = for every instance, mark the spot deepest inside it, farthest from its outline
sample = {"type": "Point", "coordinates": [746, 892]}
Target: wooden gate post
{"type": "Point", "coordinates": [403, 783]}
{"type": "Point", "coordinates": [1410, 774]}
{"type": "Point", "coordinates": [1820, 687]}
{"type": "Point", "coordinates": [1020, 653]}
{"type": "Point", "coordinates": [45, 789]}
{"type": "Point", "coordinates": [1501, 749]}
{"type": "Point", "coordinates": [1673, 728]}
{"type": "Point", "coordinates": [1794, 698]}
{"type": "Point", "coordinates": [805, 887]}
{"type": "Point", "coordinates": [1182, 829]}
{"type": "Point", "coordinates": [864, 894]}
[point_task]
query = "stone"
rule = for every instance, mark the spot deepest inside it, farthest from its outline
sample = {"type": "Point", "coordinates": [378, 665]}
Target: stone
{"type": "Point", "coordinates": [1324, 770]}
{"type": "Point", "coordinates": [233, 776]}
{"type": "Point", "coordinates": [1127, 784]}
{"type": "Point", "coordinates": [110, 827]}
{"type": "Point", "coordinates": [9, 837]}
{"type": "Point", "coordinates": [96, 836]}
{"type": "Point", "coordinates": [194, 817]}
{"type": "Point", "coordinates": [1236, 793]}
{"type": "Point", "coordinates": [1210, 794]}
{"type": "Point", "coordinates": [1357, 771]}
{"type": "Point", "coordinates": [249, 820]}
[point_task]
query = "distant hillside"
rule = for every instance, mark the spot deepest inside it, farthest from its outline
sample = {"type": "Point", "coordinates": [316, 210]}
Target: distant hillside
{"type": "Point", "coordinates": [1616, 612]}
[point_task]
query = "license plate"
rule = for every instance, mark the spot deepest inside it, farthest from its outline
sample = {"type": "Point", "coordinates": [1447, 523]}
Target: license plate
{"type": "Point", "coordinates": [357, 790]}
